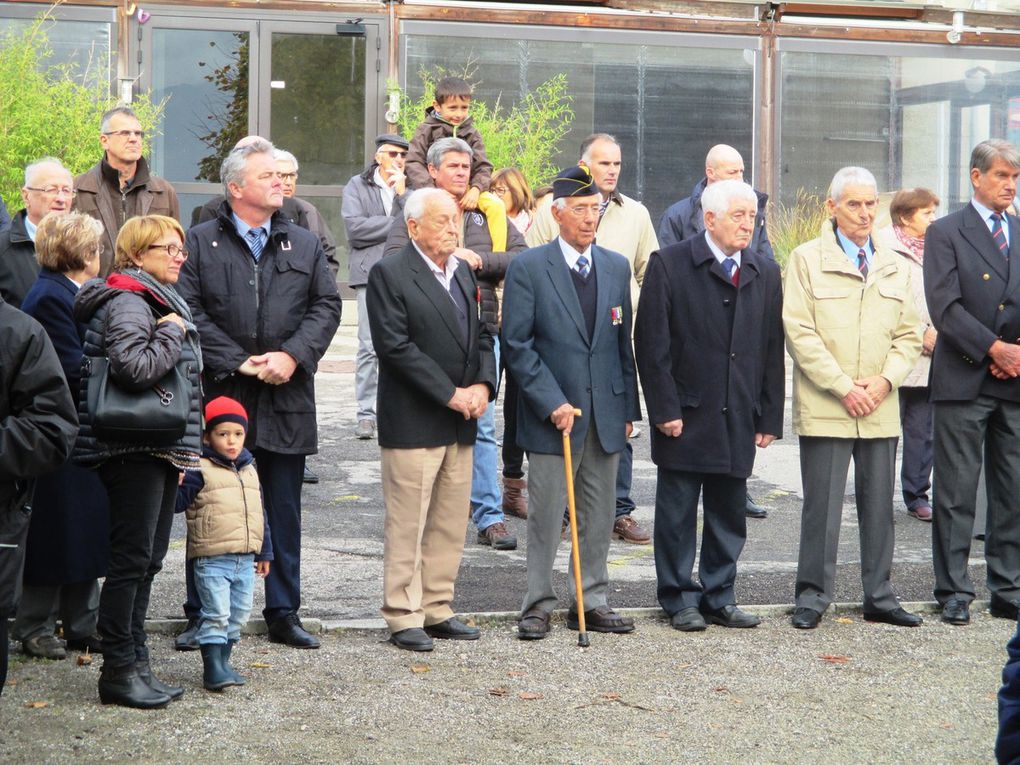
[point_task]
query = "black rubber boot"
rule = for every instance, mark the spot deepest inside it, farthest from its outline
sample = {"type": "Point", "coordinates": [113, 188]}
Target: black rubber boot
{"type": "Point", "coordinates": [227, 648]}
{"type": "Point", "coordinates": [123, 686]}
{"type": "Point", "coordinates": [145, 672]}
{"type": "Point", "coordinates": [215, 677]}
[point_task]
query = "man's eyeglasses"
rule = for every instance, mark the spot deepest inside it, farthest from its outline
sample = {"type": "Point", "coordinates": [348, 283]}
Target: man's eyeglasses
{"type": "Point", "coordinates": [127, 133]}
{"type": "Point", "coordinates": [287, 176]}
{"type": "Point", "coordinates": [54, 191]}
{"type": "Point", "coordinates": [173, 251]}
{"type": "Point", "coordinates": [394, 154]}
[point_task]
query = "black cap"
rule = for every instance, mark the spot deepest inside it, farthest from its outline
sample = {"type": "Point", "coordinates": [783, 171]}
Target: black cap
{"type": "Point", "coordinates": [575, 181]}
{"type": "Point", "coordinates": [393, 139]}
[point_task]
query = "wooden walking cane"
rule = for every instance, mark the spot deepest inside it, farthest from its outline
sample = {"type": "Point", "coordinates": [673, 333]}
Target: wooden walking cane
{"type": "Point", "coordinates": [575, 553]}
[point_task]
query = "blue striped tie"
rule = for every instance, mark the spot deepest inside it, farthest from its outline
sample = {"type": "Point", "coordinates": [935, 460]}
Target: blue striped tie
{"type": "Point", "coordinates": [582, 266]}
{"type": "Point", "coordinates": [999, 235]}
{"type": "Point", "coordinates": [254, 237]}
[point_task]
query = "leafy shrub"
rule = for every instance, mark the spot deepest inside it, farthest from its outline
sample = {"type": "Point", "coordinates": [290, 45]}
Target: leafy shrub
{"type": "Point", "coordinates": [790, 226]}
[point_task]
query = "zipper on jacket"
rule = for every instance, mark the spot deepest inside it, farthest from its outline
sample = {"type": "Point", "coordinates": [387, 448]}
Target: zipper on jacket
{"type": "Point", "coordinates": [244, 499]}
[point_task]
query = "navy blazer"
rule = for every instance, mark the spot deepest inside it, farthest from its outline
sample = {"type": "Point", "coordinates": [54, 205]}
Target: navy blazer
{"type": "Point", "coordinates": [422, 354]}
{"type": "Point", "coordinates": [710, 354]}
{"type": "Point", "coordinates": [973, 296]}
{"type": "Point", "coordinates": [549, 352]}
{"type": "Point", "coordinates": [50, 301]}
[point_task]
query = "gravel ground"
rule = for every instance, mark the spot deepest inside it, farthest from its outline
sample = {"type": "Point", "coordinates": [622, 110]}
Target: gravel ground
{"type": "Point", "coordinates": [849, 692]}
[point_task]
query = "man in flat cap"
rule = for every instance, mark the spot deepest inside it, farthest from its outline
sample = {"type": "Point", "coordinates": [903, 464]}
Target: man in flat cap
{"type": "Point", "coordinates": [567, 330]}
{"type": "Point", "coordinates": [367, 212]}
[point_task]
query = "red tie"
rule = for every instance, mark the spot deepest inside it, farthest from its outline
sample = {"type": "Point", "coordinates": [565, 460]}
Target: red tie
{"type": "Point", "coordinates": [862, 262]}
{"type": "Point", "coordinates": [999, 235]}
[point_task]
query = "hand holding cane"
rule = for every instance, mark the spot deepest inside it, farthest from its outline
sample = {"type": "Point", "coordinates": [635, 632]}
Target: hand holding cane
{"type": "Point", "coordinates": [575, 554]}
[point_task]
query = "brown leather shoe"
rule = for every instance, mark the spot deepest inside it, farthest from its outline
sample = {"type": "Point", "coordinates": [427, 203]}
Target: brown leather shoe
{"type": "Point", "coordinates": [515, 503]}
{"type": "Point", "coordinates": [601, 619]}
{"type": "Point", "coordinates": [627, 529]}
{"type": "Point", "coordinates": [498, 536]}
{"type": "Point", "coordinates": [534, 625]}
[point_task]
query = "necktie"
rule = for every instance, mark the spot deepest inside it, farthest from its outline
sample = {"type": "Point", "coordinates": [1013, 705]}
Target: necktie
{"type": "Point", "coordinates": [254, 237]}
{"type": "Point", "coordinates": [999, 235]}
{"type": "Point", "coordinates": [734, 270]}
{"type": "Point", "coordinates": [583, 267]}
{"type": "Point", "coordinates": [862, 262]}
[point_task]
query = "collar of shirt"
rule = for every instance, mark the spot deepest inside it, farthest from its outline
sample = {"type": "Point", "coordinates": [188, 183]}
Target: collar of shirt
{"type": "Point", "coordinates": [30, 228]}
{"type": "Point", "coordinates": [852, 249]}
{"type": "Point", "coordinates": [986, 214]}
{"type": "Point", "coordinates": [571, 255]}
{"type": "Point", "coordinates": [243, 228]}
{"type": "Point", "coordinates": [719, 254]}
{"type": "Point", "coordinates": [445, 276]}
{"type": "Point", "coordinates": [386, 190]}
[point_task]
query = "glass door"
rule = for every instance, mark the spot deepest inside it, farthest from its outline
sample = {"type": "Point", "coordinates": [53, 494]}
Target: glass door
{"type": "Point", "coordinates": [307, 88]}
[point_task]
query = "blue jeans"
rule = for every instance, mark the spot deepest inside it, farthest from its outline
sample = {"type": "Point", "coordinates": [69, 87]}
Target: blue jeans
{"type": "Point", "coordinates": [486, 496]}
{"type": "Point", "coordinates": [225, 584]}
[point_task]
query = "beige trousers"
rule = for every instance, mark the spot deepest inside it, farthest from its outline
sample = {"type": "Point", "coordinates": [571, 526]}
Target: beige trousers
{"type": "Point", "coordinates": [428, 496]}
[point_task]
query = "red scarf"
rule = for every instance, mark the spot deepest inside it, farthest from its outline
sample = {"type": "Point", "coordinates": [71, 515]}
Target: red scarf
{"type": "Point", "coordinates": [914, 245]}
{"type": "Point", "coordinates": [121, 281]}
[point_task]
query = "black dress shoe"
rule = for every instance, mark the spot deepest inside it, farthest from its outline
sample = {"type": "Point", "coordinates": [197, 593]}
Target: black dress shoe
{"type": "Point", "coordinates": [956, 611]}
{"type": "Point", "coordinates": [411, 639]}
{"type": "Point", "coordinates": [145, 672]}
{"type": "Point", "coordinates": [309, 476]}
{"type": "Point", "coordinates": [91, 643]}
{"type": "Point", "coordinates": [688, 620]}
{"type": "Point", "coordinates": [754, 510]}
{"type": "Point", "coordinates": [453, 629]}
{"type": "Point", "coordinates": [1000, 607]}
{"type": "Point", "coordinates": [601, 619]}
{"type": "Point", "coordinates": [897, 617]}
{"type": "Point", "coordinates": [534, 625]}
{"type": "Point", "coordinates": [731, 616]}
{"type": "Point", "coordinates": [805, 618]}
{"type": "Point", "coordinates": [289, 631]}
{"type": "Point", "coordinates": [123, 686]}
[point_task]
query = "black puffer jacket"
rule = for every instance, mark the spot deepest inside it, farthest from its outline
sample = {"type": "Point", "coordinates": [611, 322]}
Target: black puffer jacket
{"type": "Point", "coordinates": [122, 326]}
{"type": "Point", "coordinates": [476, 239]}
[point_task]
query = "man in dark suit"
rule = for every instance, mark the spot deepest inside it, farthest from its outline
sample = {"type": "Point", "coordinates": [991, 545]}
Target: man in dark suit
{"type": "Point", "coordinates": [972, 284]}
{"type": "Point", "coordinates": [709, 345]}
{"type": "Point", "coordinates": [437, 374]}
{"type": "Point", "coordinates": [567, 328]}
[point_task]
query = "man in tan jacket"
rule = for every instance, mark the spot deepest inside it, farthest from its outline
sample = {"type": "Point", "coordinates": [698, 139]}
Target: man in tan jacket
{"type": "Point", "coordinates": [852, 330]}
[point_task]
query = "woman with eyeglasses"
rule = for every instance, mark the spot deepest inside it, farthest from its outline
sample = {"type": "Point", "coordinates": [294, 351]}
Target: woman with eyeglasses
{"type": "Point", "coordinates": [512, 188]}
{"type": "Point", "coordinates": [137, 320]}
{"type": "Point", "coordinates": [65, 553]}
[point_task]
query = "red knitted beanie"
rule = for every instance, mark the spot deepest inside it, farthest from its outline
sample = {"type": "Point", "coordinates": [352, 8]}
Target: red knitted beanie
{"type": "Point", "coordinates": [224, 409]}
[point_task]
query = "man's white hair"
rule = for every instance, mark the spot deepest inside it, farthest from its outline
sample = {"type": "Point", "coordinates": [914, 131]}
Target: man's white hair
{"type": "Point", "coordinates": [40, 164]}
{"type": "Point", "coordinates": [718, 197]}
{"type": "Point", "coordinates": [850, 176]}
{"type": "Point", "coordinates": [414, 207]}
{"type": "Point", "coordinates": [282, 155]}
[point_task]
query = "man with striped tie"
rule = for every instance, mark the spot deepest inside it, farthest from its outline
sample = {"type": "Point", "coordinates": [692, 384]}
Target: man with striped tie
{"type": "Point", "coordinates": [972, 284]}
{"type": "Point", "coordinates": [852, 331]}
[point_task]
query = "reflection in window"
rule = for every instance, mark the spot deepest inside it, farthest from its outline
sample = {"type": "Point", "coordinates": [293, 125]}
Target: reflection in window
{"type": "Point", "coordinates": [666, 105]}
{"type": "Point", "coordinates": [205, 76]}
{"type": "Point", "coordinates": [318, 104]}
{"type": "Point", "coordinates": [911, 120]}
{"type": "Point", "coordinates": [84, 45]}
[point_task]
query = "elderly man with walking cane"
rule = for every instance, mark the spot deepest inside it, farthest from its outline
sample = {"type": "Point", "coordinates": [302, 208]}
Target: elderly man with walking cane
{"type": "Point", "coordinates": [566, 325]}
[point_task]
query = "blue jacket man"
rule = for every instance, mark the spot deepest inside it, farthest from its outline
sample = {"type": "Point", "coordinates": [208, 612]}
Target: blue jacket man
{"type": "Point", "coordinates": [567, 329]}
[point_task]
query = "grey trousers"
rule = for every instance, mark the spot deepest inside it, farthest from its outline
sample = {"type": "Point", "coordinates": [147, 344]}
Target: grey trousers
{"type": "Point", "coordinates": [823, 466]}
{"type": "Point", "coordinates": [961, 427]}
{"type": "Point", "coordinates": [595, 501]}
{"type": "Point", "coordinates": [366, 365]}
{"type": "Point", "coordinates": [76, 604]}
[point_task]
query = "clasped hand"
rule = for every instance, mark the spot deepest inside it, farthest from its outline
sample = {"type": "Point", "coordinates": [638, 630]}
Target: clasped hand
{"type": "Point", "coordinates": [273, 368]}
{"type": "Point", "coordinates": [471, 401]}
{"type": "Point", "coordinates": [866, 395]}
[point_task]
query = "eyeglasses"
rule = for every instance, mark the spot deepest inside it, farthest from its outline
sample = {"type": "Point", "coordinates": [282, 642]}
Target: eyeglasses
{"type": "Point", "coordinates": [582, 211]}
{"type": "Point", "coordinates": [173, 251]}
{"type": "Point", "coordinates": [54, 191]}
{"type": "Point", "coordinates": [287, 176]}
{"type": "Point", "coordinates": [499, 189]}
{"type": "Point", "coordinates": [127, 133]}
{"type": "Point", "coordinates": [394, 154]}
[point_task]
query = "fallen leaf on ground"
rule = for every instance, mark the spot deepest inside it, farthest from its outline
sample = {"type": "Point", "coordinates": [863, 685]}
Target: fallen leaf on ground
{"type": "Point", "coordinates": [834, 658]}
{"type": "Point", "coordinates": [721, 689]}
{"type": "Point", "coordinates": [420, 669]}
{"type": "Point", "coordinates": [37, 704]}
{"type": "Point", "coordinates": [843, 620]}
{"type": "Point", "coordinates": [259, 665]}
{"type": "Point", "coordinates": [947, 725]}
{"type": "Point", "coordinates": [84, 659]}
{"type": "Point", "coordinates": [611, 695]}
{"type": "Point", "coordinates": [529, 695]}
{"type": "Point", "coordinates": [499, 691]}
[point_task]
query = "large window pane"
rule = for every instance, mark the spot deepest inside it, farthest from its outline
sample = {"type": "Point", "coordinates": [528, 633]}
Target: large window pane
{"type": "Point", "coordinates": [318, 104]}
{"type": "Point", "coordinates": [911, 116]}
{"type": "Point", "coordinates": [666, 104]}
{"type": "Point", "coordinates": [204, 74]}
{"type": "Point", "coordinates": [85, 45]}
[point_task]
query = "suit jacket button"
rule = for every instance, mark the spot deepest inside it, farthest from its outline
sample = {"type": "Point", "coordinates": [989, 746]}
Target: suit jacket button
{"type": "Point", "coordinates": [1002, 307]}
{"type": "Point", "coordinates": [726, 302]}
{"type": "Point", "coordinates": [725, 409]}
{"type": "Point", "coordinates": [733, 355]}
{"type": "Point", "coordinates": [986, 277]}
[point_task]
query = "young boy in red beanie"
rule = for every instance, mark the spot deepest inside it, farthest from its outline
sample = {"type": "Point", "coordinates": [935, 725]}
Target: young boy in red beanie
{"type": "Point", "coordinates": [228, 537]}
